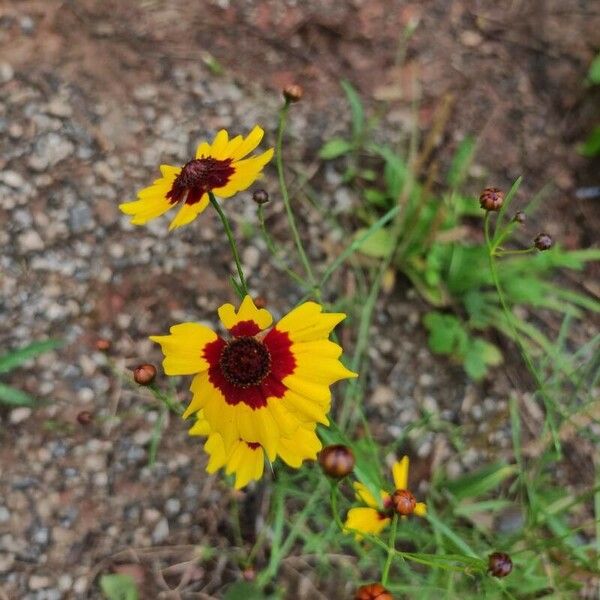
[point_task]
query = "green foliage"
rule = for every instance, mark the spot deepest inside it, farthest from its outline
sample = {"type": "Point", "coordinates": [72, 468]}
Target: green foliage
{"type": "Point", "coordinates": [118, 587]}
{"type": "Point", "coordinates": [591, 146]}
{"type": "Point", "coordinates": [12, 396]}
{"type": "Point", "coordinates": [433, 244]}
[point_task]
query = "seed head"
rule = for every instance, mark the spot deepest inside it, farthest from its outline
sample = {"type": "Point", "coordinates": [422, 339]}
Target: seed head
{"type": "Point", "coordinates": [491, 199]}
{"type": "Point", "coordinates": [404, 502]}
{"type": "Point", "coordinates": [499, 564]}
{"type": "Point", "coordinates": [543, 242]}
{"type": "Point", "coordinates": [520, 217]}
{"type": "Point", "coordinates": [372, 591]}
{"type": "Point", "coordinates": [336, 461]}
{"type": "Point", "coordinates": [103, 345]}
{"type": "Point", "coordinates": [85, 417]}
{"type": "Point", "coordinates": [260, 197]}
{"type": "Point", "coordinates": [144, 374]}
{"type": "Point", "coordinates": [292, 92]}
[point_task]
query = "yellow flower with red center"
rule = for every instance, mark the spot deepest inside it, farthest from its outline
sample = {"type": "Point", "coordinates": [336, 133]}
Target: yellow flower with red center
{"type": "Point", "coordinates": [376, 515]}
{"type": "Point", "coordinates": [221, 168]}
{"type": "Point", "coordinates": [263, 388]}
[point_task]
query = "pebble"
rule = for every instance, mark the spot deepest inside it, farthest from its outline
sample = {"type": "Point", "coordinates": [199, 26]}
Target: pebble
{"type": "Point", "coordinates": [7, 560]}
{"type": "Point", "coordinates": [30, 241]}
{"type": "Point", "coordinates": [172, 506]}
{"type": "Point", "coordinates": [18, 415]}
{"type": "Point", "coordinates": [12, 179]}
{"type": "Point", "coordinates": [6, 72]}
{"type": "Point", "coordinates": [160, 531]}
{"type": "Point", "coordinates": [4, 514]}
{"type": "Point", "coordinates": [39, 582]}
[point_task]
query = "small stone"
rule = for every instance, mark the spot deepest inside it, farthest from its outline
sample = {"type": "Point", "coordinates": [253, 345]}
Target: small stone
{"type": "Point", "coordinates": [41, 536]}
{"type": "Point", "coordinates": [39, 582]}
{"type": "Point", "coordinates": [59, 108]}
{"type": "Point", "coordinates": [471, 39]}
{"type": "Point", "coordinates": [81, 218]}
{"type": "Point", "coordinates": [30, 241]}
{"type": "Point", "coordinates": [161, 531]}
{"type": "Point", "coordinates": [7, 560]}
{"type": "Point", "coordinates": [172, 506]}
{"type": "Point", "coordinates": [151, 516]}
{"type": "Point", "coordinates": [80, 585]}
{"type": "Point", "coordinates": [18, 415]}
{"type": "Point", "coordinates": [4, 514]}
{"type": "Point", "coordinates": [12, 179]}
{"type": "Point", "coordinates": [251, 257]}
{"type": "Point", "coordinates": [65, 582]}
{"type": "Point", "coordinates": [6, 72]}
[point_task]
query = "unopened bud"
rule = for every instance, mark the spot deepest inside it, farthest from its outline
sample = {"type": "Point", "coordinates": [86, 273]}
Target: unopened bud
{"type": "Point", "coordinates": [292, 92]}
{"type": "Point", "coordinates": [336, 461]}
{"type": "Point", "coordinates": [491, 199]}
{"type": "Point", "coordinates": [85, 417]}
{"type": "Point", "coordinates": [520, 217]}
{"type": "Point", "coordinates": [543, 242]}
{"type": "Point", "coordinates": [249, 574]}
{"type": "Point", "coordinates": [372, 591]}
{"type": "Point", "coordinates": [404, 502]}
{"type": "Point", "coordinates": [499, 564]}
{"type": "Point", "coordinates": [260, 197]}
{"type": "Point", "coordinates": [260, 302]}
{"type": "Point", "coordinates": [144, 374]}
{"type": "Point", "coordinates": [102, 345]}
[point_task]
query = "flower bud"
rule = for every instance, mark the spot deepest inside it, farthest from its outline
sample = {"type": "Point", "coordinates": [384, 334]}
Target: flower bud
{"type": "Point", "coordinates": [144, 374]}
{"type": "Point", "coordinates": [491, 199]}
{"type": "Point", "coordinates": [404, 502]}
{"type": "Point", "coordinates": [499, 564]}
{"type": "Point", "coordinates": [260, 302]}
{"type": "Point", "coordinates": [85, 417]}
{"type": "Point", "coordinates": [520, 217]}
{"type": "Point", "coordinates": [543, 242]}
{"type": "Point", "coordinates": [103, 345]}
{"type": "Point", "coordinates": [336, 461]}
{"type": "Point", "coordinates": [260, 197]}
{"type": "Point", "coordinates": [292, 92]}
{"type": "Point", "coordinates": [249, 574]}
{"type": "Point", "coordinates": [372, 591]}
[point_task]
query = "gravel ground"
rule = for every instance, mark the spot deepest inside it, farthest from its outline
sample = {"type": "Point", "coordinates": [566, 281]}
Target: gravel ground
{"type": "Point", "coordinates": [74, 499]}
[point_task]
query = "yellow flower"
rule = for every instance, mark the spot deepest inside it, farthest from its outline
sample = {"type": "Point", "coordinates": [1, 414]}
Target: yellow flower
{"type": "Point", "coordinates": [262, 385]}
{"type": "Point", "coordinates": [246, 459]}
{"type": "Point", "coordinates": [376, 515]}
{"type": "Point", "coordinates": [219, 167]}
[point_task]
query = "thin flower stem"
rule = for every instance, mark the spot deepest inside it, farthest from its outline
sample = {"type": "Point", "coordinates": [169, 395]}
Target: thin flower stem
{"type": "Point", "coordinates": [516, 336]}
{"type": "Point", "coordinates": [391, 551]}
{"type": "Point", "coordinates": [333, 499]}
{"type": "Point", "coordinates": [501, 252]}
{"type": "Point", "coordinates": [286, 198]}
{"type": "Point", "coordinates": [165, 399]}
{"type": "Point", "coordinates": [243, 288]}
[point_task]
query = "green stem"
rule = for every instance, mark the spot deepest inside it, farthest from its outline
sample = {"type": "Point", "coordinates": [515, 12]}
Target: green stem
{"type": "Point", "coordinates": [165, 399]}
{"type": "Point", "coordinates": [286, 198]}
{"type": "Point", "coordinates": [517, 338]}
{"type": "Point", "coordinates": [243, 288]}
{"type": "Point", "coordinates": [391, 551]}
{"type": "Point", "coordinates": [333, 499]}
{"type": "Point", "coordinates": [501, 252]}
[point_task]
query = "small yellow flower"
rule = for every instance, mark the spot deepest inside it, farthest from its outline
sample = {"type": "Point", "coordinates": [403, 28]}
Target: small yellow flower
{"type": "Point", "coordinates": [263, 386]}
{"type": "Point", "coordinates": [220, 167]}
{"type": "Point", "coordinates": [376, 515]}
{"type": "Point", "coordinates": [246, 459]}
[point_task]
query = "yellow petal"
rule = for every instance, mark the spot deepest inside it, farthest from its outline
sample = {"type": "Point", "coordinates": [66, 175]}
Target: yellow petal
{"type": "Point", "coordinates": [219, 145]}
{"type": "Point", "coordinates": [324, 348]}
{"type": "Point", "coordinates": [250, 465]}
{"type": "Point", "coordinates": [305, 409]}
{"type": "Point", "coordinates": [364, 494]}
{"type": "Point", "coordinates": [250, 143]}
{"type": "Point", "coordinates": [306, 323]}
{"type": "Point", "coordinates": [244, 176]}
{"type": "Point", "coordinates": [247, 312]}
{"type": "Point", "coordinates": [420, 509]}
{"type": "Point", "coordinates": [365, 520]}
{"type": "Point", "coordinates": [308, 389]}
{"type": "Point", "coordinates": [321, 370]}
{"type": "Point", "coordinates": [216, 451]}
{"type": "Point", "coordinates": [169, 172]}
{"type": "Point", "coordinates": [184, 347]}
{"type": "Point", "coordinates": [201, 427]}
{"type": "Point", "coordinates": [400, 473]}
{"type": "Point", "coordinates": [188, 212]}
{"type": "Point", "coordinates": [302, 445]}
{"type": "Point", "coordinates": [203, 150]}
{"type": "Point", "coordinates": [287, 421]}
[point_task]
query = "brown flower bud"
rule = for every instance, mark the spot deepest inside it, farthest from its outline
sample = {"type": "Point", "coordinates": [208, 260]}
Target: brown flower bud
{"type": "Point", "coordinates": [491, 199]}
{"type": "Point", "coordinates": [102, 345]}
{"type": "Point", "coordinates": [249, 574]}
{"type": "Point", "coordinates": [260, 302]}
{"type": "Point", "coordinates": [85, 417]}
{"type": "Point", "coordinates": [520, 217]}
{"type": "Point", "coordinates": [499, 564]}
{"type": "Point", "coordinates": [372, 591]}
{"type": "Point", "coordinates": [404, 502]}
{"type": "Point", "coordinates": [260, 196]}
{"type": "Point", "coordinates": [543, 242]}
{"type": "Point", "coordinates": [336, 461]}
{"type": "Point", "coordinates": [292, 92]}
{"type": "Point", "coordinates": [144, 374]}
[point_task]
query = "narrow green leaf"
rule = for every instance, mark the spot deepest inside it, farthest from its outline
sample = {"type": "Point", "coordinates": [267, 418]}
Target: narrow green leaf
{"type": "Point", "coordinates": [14, 397]}
{"type": "Point", "coordinates": [356, 108]}
{"type": "Point", "coordinates": [481, 482]}
{"type": "Point", "coordinates": [594, 72]}
{"type": "Point", "coordinates": [461, 161]}
{"type": "Point", "coordinates": [17, 357]}
{"type": "Point", "coordinates": [243, 590]}
{"type": "Point", "coordinates": [334, 148]}
{"type": "Point", "coordinates": [118, 587]}
{"type": "Point", "coordinates": [591, 145]}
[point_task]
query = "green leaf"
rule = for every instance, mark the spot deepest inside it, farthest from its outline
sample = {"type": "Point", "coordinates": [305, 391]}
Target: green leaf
{"type": "Point", "coordinates": [378, 245]}
{"type": "Point", "coordinates": [17, 357]}
{"type": "Point", "coordinates": [243, 590]}
{"type": "Point", "coordinates": [591, 146]}
{"type": "Point", "coordinates": [461, 161]}
{"type": "Point", "coordinates": [15, 397]}
{"type": "Point", "coordinates": [376, 197]}
{"type": "Point", "coordinates": [474, 363]}
{"type": "Point", "coordinates": [481, 482]}
{"type": "Point", "coordinates": [594, 72]}
{"type": "Point", "coordinates": [118, 587]}
{"type": "Point", "coordinates": [334, 148]}
{"type": "Point", "coordinates": [356, 108]}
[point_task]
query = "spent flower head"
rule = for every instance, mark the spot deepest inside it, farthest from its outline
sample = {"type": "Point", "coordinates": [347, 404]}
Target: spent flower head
{"type": "Point", "coordinates": [499, 564]}
{"type": "Point", "coordinates": [220, 168]}
{"type": "Point", "coordinates": [491, 199]}
{"type": "Point", "coordinates": [372, 591]}
{"type": "Point", "coordinates": [543, 242]}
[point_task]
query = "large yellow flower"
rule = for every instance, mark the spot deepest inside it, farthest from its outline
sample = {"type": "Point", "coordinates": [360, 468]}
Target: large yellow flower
{"type": "Point", "coordinates": [246, 459]}
{"type": "Point", "coordinates": [261, 384]}
{"type": "Point", "coordinates": [219, 167]}
{"type": "Point", "coordinates": [376, 515]}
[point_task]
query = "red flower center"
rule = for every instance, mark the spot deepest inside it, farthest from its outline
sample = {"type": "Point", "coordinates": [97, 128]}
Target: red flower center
{"type": "Point", "coordinates": [245, 361]}
{"type": "Point", "coordinates": [198, 177]}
